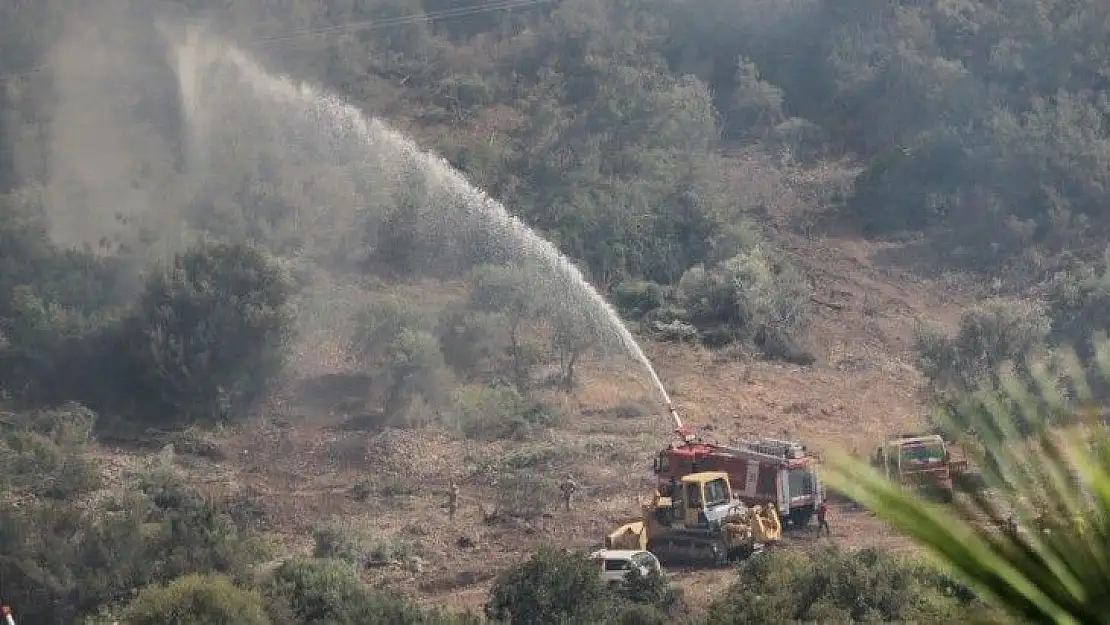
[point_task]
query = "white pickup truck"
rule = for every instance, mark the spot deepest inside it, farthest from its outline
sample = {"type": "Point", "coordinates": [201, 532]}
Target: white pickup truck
{"type": "Point", "coordinates": [616, 563]}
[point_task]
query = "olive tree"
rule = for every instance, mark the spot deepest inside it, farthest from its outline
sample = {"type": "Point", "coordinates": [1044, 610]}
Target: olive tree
{"type": "Point", "coordinates": [510, 292]}
{"type": "Point", "coordinates": [395, 339]}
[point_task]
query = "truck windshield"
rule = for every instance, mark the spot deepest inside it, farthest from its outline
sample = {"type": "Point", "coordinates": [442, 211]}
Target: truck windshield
{"type": "Point", "coordinates": [923, 453]}
{"type": "Point", "coordinates": [716, 493]}
{"type": "Point", "coordinates": [801, 482]}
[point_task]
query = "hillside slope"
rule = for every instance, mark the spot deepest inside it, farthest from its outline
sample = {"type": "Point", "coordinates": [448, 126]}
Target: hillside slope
{"type": "Point", "coordinates": [302, 462]}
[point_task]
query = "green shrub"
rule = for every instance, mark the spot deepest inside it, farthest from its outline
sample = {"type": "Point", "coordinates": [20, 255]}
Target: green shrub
{"type": "Point", "coordinates": [47, 456]}
{"type": "Point", "coordinates": [55, 352]}
{"type": "Point", "coordinates": [379, 324]}
{"type": "Point", "coordinates": [802, 139]}
{"type": "Point", "coordinates": [337, 541]}
{"type": "Point", "coordinates": [651, 589]}
{"type": "Point", "coordinates": [1081, 304]}
{"type": "Point", "coordinates": [307, 591]}
{"type": "Point", "coordinates": [755, 105]}
{"type": "Point", "coordinates": [473, 342]}
{"type": "Point", "coordinates": [492, 413]}
{"type": "Point", "coordinates": [995, 334]}
{"type": "Point", "coordinates": [637, 614]}
{"type": "Point", "coordinates": [636, 298]}
{"type": "Point", "coordinates": [194, 599]}
{"type": "Point", "coordinates": [210, 332]}
{"type": "Point", "coordinates": [391, 550]}
{"type": "Point", "coordinates": [416, 371]}
{"type": "Point", "coordinates": [59, 562]}
{"type": "Point", "coordinates": [670, 323]}
{"type": "Point", "coordinates": [831, 585]}
{"type": "Point", "coordinates": [513, 294]}
{"type": "Point", "coordinates": [396, 338]}
{"type": "Point", "coordinates": [552, 587]}
{"type": "Point", "coordinates": [756, 296]}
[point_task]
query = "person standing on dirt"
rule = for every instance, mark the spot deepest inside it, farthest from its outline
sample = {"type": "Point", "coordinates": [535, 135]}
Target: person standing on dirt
{"type": "Point", "coordinates": [822, 521]}
{"type": "Point", "coordinates": [569, 487]}
{"type": "Point", "coordinates": [453, 501]}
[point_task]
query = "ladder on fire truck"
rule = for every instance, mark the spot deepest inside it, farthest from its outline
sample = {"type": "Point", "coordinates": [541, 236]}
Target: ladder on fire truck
{"type": "Point", "coordinates": [771, 447]}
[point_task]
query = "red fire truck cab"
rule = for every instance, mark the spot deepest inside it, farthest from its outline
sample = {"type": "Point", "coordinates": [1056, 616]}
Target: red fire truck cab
{"type": "Point", "coordinates": [761, 471]}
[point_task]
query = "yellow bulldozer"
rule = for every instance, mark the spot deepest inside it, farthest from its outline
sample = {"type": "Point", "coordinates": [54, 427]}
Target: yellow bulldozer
{"type": "Point", "coordinates": [696, 519]}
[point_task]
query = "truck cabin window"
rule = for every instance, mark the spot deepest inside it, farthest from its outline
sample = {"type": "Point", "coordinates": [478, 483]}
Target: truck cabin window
{"type": "Point", "coordinates": [922, 453]}
{"type": "Point", "coordinates": [716, 493]}
{"type": "Point", "coordinates": [801, 482]}
{"type": "Point", "coordinates": [618, 565]}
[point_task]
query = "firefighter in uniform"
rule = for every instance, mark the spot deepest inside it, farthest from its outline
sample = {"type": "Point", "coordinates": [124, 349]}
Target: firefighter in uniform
{"type": "Point", "coordinates": [453, 500]}
{"type": "Point", "coordinates": [569, 487]}
{"type": "Point", "coordinates": [822, 521]}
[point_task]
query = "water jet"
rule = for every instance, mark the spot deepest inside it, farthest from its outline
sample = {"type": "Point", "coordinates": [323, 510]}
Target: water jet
{"type": "Point", "coordinates": [226, 95]}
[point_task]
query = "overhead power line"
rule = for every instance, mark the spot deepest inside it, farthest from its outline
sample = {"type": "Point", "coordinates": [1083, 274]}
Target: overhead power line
{"type": "Point", "coordinates": [350, 27]}
{"type": "Point", "coordinates": [497, 5]}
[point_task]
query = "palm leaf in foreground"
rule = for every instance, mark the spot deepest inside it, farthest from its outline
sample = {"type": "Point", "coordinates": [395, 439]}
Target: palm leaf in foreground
{"type": "Point", "coordinates": [1048, 475]}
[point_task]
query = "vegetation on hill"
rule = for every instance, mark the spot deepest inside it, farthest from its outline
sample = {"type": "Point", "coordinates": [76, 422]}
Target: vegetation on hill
{"type": "Point", "coordinates": [136, 294]}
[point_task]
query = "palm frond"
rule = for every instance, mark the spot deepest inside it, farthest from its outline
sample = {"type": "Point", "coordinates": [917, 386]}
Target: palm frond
{"type": "Point", "coordinates": [1044, 459]}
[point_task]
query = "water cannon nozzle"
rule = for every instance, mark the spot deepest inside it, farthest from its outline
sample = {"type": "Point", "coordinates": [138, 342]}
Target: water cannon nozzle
{"type": "Point", "coordinates": [683, 432]}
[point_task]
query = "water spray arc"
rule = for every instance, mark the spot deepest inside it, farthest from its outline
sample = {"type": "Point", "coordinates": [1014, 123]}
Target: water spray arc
{"type": "Point", "coordinates": [312, 125]}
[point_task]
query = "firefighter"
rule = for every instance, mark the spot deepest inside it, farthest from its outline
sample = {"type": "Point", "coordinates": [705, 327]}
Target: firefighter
{"type": "Point", "coordinates": [822, 522]}
{"type": "Point", "coordinates": [569, 487]}
{"type": "Point", "coordinates": [453, 501]}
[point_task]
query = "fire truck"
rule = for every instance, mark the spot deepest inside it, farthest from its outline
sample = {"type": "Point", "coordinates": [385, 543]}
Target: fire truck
{"type": "Point", "coordinates": [926, 461]}
{"type": "Point", "coordinates": [760, 471]}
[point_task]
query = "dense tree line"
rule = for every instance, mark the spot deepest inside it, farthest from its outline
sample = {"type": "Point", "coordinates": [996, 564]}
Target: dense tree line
{"type": "Point", "coordinates": [598, 122]}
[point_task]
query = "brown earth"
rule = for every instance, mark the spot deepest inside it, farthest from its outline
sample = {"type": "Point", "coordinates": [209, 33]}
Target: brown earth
{"type": "Point", "coordinates": [298, 460]}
